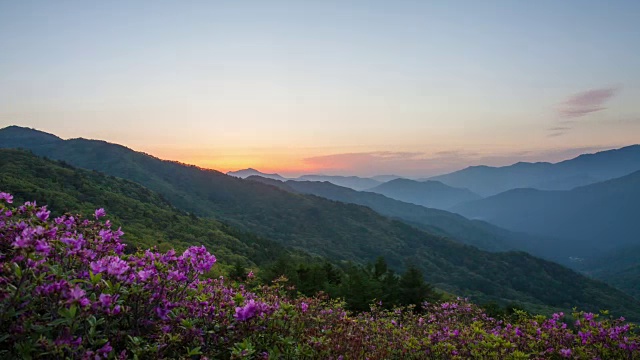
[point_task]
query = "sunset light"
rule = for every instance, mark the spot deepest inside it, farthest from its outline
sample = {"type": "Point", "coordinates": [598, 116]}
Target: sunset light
{"type": "Point", "coordinates": [334, 179]}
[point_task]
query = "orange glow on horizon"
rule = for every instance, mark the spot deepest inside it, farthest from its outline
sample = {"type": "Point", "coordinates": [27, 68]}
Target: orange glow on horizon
{"type": "Point", "coordinates": [279, 161]}
{"type": "Point", "coordinates": [227, 165]}
{"type": "Point", "coordinates": [291, 162]}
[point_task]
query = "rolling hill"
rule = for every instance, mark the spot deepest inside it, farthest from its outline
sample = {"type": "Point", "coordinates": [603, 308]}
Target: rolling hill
{"type": "Point", "coordinates": [352, 182]}
{"type": "Point", "coordinates": [477, 233]}
{"type": "Point", "coordinates": [620, 268]}
{"type": "Point", "coordinates": [432, 194]}
{"type": "Point", "coordinates": [253, 172]}
{"type": "Point", "coordinates": [591, 219]}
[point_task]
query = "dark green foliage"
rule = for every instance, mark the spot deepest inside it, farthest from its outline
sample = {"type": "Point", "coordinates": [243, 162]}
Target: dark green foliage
{"type": "Point", "coordinates": [359, 286]}
{"type": "Point", "coordinates": [380, 267]}
{"type": "Point", "coordinates": [412, 290]}
{"type": "Point", "coordinates": [506, 312]}
{"type": "Point", "coordinates": [238, 272]}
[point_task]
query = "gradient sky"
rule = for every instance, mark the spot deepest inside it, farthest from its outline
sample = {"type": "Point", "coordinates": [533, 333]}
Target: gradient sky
{"type": "Point", "coordinates": [337, 87]}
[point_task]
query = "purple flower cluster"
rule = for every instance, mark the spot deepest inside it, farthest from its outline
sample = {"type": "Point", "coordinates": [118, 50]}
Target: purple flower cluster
{"type": "Point", "coordinates": [196, 258]}
{"type": "Point", "coordinates": [6, 197]}
{"type": "Point", "coordinates": [67, 290]}
{"type": "Point", "coordinates": [250, 309]}
{"type": "Point", "coordinates": [70, 275]}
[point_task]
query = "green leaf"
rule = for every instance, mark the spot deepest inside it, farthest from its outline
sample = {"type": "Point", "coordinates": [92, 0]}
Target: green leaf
{"type": "Point", "coordinates": [17, 270]}
{"type": "Point", "coordinates": [239, 299]}
{"type": "Point", "coordinates": [95, 278]}
{"type": "Point", "coordinates": [195, 351]}
{"type": "Point", "coordinates": [72, 311]}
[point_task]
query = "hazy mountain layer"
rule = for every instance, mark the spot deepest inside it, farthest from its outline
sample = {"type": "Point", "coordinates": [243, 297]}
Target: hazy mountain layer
{"type": "Point", "coordinates": [620, 268]}
{"type": "Point", "coordinates": [582, 170]}
{"type": "Point", "coordinates": [352, 182]}
{"type": "Point", "coordinates": [253, 172]}
{"type": "Point", "coordinates": [591, 219]}
{"type": "Point", "coordinates": [433, 194]}
{"type": "Point", "coordinates": [477, 233]}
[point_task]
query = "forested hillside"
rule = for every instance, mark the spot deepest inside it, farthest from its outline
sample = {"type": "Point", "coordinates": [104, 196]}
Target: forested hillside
{"type": "Point", "coordinates": [148, 218]}
{"type": "Point", "coordinates": [477, 233]}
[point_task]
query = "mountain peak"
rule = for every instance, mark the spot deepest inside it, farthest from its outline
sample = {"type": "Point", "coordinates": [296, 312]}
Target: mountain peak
{"type": "Point", "coordinates": [15, 129]}
{"type": "Point", "coordinates": [400, 181]}
{"type": "Point", "coordinates": [352, 182]}
{"type": "Point", "coordinates": [564, 175]}
{"type": "Point", "coordinates": [18, 136]}
{"type": "Point", "coordinates": [429, 193]}
{"type": "Point", "coordinates": [245, 173]}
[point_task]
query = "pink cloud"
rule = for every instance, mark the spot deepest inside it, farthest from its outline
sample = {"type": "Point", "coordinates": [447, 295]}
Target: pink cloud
{"type": "Point", "coordinates": [587, 102]}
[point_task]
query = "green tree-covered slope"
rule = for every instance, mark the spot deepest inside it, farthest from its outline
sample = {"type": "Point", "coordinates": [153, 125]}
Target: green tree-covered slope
{"type": "Point", "coordinates": [148, 219]}
{"type": "Point", "coordinates": [439, 222]}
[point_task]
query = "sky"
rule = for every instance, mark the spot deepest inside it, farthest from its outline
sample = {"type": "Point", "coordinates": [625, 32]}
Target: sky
{"type": "Point", "coordinates": [412, 88]}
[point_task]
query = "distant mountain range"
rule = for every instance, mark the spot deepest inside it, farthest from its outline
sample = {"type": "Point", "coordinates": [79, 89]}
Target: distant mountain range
{"type": "Point", "coordinates": [385, 178]}
{"type": "Point", "coordinates": [253, 172]}
{"type": "Point", "coordinates": [487, 180]}
{"type": "Point", "coordinates": [352, 182]}
{"type": "Point", "coordinates": [477, 233]}
{"type": "Point", "coordinates": [589, 219]}
{"type": "Point", "coordinates": [333, 229]}
{"type": "Point", "coordinates": [583, 170]}
{"type": "Point", "coordinates": [430, 193]}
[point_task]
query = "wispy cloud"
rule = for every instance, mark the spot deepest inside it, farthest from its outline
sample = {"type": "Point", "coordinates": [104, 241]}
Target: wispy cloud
{"type": "Point", "coordinates": [579, 105]}
{"type": "Point", "coordinates": [556, 134]}
{"type": "Point", "coordinates": [558, 131]}
{"type": "Point", "coordinates": [455, 153]}
{"type": "Point", "coordinates": [586, 102]}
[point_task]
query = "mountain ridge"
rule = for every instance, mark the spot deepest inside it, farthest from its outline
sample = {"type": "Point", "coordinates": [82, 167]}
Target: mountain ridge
{"type": "Point", "coordinates": [244, 173]}
{"type": "Point", "coordinates": [584, 169]}
{"type": "Point", "coordinates": [353, 182]}
{"type": "Point", "coordinates": [440, 222]}
{"type": "Point", "coordinates": [429, 193]}
{"type": "Point", "coordinates": [582, 216]}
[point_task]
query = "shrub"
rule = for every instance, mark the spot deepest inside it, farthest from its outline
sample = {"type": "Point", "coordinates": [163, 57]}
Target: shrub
{"type": "Point", "coordinates": [68, 290]}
